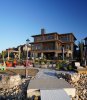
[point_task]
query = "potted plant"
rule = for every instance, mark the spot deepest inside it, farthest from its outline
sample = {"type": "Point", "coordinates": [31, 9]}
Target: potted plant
{"type": "Point", "coordinates": [36, 63]}
{"type": "Point", "coordinates": [43, 63]}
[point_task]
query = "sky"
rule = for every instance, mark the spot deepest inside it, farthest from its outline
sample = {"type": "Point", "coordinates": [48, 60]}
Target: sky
{"type": "Point", "coordinates": [20, 19]}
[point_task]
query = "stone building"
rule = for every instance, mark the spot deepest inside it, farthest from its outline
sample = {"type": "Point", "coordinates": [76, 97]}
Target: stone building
{"type": "Point", "coordinates": [53, 45]}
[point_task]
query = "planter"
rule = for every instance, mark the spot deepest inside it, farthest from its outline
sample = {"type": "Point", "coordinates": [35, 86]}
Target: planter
{"type": "Point", "coordinates": [37, 65]}
{"type": "Point", "coordinates": [50, 65]}
{"type": "Point", "coordinates": [9, 65]}
{"type": "Point", "coordinates": [44, 66]}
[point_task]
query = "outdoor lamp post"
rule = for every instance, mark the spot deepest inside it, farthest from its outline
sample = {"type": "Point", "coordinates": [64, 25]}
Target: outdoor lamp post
{"type": "Point", "coordinates": [26, 71]}
{"type": "Point", "coordinates": [27, 43]}
{"type": "Point", "coordinates": [63, 51]}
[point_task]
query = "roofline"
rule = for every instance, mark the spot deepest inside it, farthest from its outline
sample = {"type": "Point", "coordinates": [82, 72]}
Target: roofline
{"type": "Point", "coordinates": [45, 34]}
{"type": "Point", "coordinates": [54, 33]}
{"type": "Point", "coordinates": [69, 33]}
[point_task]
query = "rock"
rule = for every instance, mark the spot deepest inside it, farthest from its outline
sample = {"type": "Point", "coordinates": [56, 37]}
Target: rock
{"type": "Point", "coordinates": [84, 91]}
{"type": "Point", "coordinates": [16, 91]}
{"type": "Point", "coordinates": [15, 81]}
{"type": "Point", "coordinates": [79, 81]}
{"type": "Point", "coordinates": [12, 90]}
{"type": "Point", "coordinates": [75, 77]}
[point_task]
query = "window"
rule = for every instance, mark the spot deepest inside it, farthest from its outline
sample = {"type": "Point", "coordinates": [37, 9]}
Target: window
{"type": "Point", "coordinates": [64, 38]}
{"type": "Point", "coordinates": [48, 46]}
{"type": "Point", "coordinates": [37, 46]}
{"type": "Point", "coordinates": [68, 47]}
{"type": "Point", "coordinates": [50, 37]}
{"type": "Point", "coordinates": [40, 38]}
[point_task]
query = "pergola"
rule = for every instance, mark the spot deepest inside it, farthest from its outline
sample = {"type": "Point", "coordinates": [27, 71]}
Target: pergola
{"type": "Point", "coordinates": [14, 51]}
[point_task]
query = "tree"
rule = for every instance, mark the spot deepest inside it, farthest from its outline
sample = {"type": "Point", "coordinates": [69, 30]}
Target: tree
{"type": "Point", "coordinates": [81, 51]}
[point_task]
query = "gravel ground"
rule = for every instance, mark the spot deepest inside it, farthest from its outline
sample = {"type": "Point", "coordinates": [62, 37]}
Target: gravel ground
{"type": "Point", "coordinates": [14, 92]}
{"type": "Point", "coordinates": [79, 81]}
{"type": "Point", "coordinates": [17, 92]}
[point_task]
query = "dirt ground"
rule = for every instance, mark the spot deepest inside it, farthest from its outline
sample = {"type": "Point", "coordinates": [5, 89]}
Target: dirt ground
{"type": "Point", "coordinates": [31, 72]}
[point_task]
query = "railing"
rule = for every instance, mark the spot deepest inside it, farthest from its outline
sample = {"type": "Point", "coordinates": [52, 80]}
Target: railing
{"type": "Point", "coordinates": [43, 38]}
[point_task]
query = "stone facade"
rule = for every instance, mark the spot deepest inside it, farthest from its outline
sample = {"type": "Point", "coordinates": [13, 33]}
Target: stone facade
{"type": "Point", "coordinates": [53, 45]}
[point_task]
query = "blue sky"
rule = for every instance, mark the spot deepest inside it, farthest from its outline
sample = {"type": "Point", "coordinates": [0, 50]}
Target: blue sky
{"type": "Point", "coordinates": [20, 19]}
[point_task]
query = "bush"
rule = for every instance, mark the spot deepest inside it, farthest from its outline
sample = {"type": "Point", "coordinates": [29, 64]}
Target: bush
{"type": "Point", "coordinates": [48, 62]}
{"type": "Point", "coordinates": [43, 61]}
{"type": "Point", "coordinates": [59, 65]}
{"type": "Point", "coordinates": [70, 67]}
{"type": "Point", "coordinates": [36, 61]}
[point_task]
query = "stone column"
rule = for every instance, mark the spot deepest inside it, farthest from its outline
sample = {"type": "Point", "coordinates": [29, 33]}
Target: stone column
{"type": "Point", "coordinates": [36, 55]}
{"type": "Point", "coordinates": [42, 55]}
{"type": "Point", "coordinates": [63, 52]}
{"type": "Point", "coordinates": [56, 46]}
{"type": "Point", "coordinates": [56, 55]}
{"type": "Point", "coordinates": [32, 56]}
{"type": "Point", "coordinates": [19, 53]}
{"type": "Point", "coordinates": [72, 50]}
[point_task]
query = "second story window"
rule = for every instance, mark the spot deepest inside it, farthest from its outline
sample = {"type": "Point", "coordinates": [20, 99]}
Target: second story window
{"type": "Point", "coordinates": [68, 47]}
{"type": "Point", "coordinates": [50, 37]}
{"type": "Point", "coordinates": [64, 38]}
{"type": "Point", "coordinates": [37, 39]}
{"type": "Point", "coordinates": [37, 47]}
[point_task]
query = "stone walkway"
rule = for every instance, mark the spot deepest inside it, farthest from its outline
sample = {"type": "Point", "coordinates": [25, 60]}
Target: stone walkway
{"type": "Point", "coordinates": [50, 73]}
{"type": "Point", "coordinates": [46, 79]}
{"type": "Point", "coordinates": [46, 73]}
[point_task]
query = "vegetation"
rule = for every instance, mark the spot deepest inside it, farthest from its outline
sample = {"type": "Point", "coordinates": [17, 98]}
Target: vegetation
{"type": "Point", "coordinates": [81, 53]}
{"type": "Point", "coordinates": [63, 65]}
{"type": "Point", "coordinates": [59, 65]}
{"type": "Point", "coordinates": [43, 61]}
{"type": "Point", "coordinates": [70, 68]}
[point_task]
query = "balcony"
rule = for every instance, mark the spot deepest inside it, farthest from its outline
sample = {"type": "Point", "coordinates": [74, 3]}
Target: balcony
{"type": "Point", "coordinates": [44, 38]}
{"type": "Point", "coordinates": [47, 50]}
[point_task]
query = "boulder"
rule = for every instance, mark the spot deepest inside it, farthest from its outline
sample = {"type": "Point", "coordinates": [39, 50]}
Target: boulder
{"type": "Point", "coordinates": [14, 81]}
{"type": "Point", "coordinates": [75, 77]}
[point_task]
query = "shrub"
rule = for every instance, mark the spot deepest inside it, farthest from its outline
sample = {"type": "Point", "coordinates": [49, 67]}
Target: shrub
{"type": "Point", "coordinates": [70, 67]}
{"type": "Point", "coordinates": [42, 63]}
{"type": "Point", "coordinates": [36, 61]}
{"type": "Point", "coordinates": [62, 65]}
{"type": "Point", "coordinates": [59, 65]}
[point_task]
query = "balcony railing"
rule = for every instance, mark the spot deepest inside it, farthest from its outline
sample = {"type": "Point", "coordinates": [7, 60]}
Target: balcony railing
{"type": "Point", "coordinates": [44, 38]}
{"type": "Point", "coordinates": [47, 49]}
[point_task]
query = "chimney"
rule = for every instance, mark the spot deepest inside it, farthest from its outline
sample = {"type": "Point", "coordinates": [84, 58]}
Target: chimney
{"type": "Point", "coordinates": [43, 31]}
